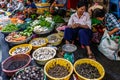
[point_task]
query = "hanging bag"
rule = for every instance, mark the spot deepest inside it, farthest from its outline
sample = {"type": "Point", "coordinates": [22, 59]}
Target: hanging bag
{"type": "Point", "coordinates": [109, 47]}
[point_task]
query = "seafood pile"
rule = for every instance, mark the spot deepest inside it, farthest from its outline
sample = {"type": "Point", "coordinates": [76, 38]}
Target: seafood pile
{"type": "Point", "coordinates": [16, 65]}
{"type": "Point", "coordinates": [88, 71]}
{"type": "Point", "coordinates": [58, 71]}
{"type": "Point", "coordinates": [29, 73]}
{"type": "Point", "coordinates": [44, 53]}
{"type": "Point", "coordinates": [38, 41]}
{"type": "Point", "coordinates": [15, 37]}
{"type": "Point", "coordinates": [20, 50]}
{"type": "Point", "coordinates": [54, 38]}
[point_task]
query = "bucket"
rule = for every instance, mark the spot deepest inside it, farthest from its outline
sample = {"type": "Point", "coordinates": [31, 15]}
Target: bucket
{"type": "Point", "coordinates": [42, 7]}
{"type": "Point", "coordinates": [63, 62]}
{"type": "Point", "coordinates": [93, 63]}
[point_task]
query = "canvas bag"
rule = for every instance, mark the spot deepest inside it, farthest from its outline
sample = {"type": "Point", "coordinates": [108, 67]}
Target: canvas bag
{"type": "Point", "coordinates": [108, 47]}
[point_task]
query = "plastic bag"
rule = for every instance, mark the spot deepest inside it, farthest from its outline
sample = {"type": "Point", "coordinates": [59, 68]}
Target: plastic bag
{"type": "Point", "coordinates": [108, 47]}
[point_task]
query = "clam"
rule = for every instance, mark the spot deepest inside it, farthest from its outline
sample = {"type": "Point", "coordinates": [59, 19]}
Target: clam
{"type": "Point", "coordinates": [20, 50]}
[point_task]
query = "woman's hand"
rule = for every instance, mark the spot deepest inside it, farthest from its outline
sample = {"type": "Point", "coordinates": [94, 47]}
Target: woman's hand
{"type": "Point", "coordinates": [113, 31]}
{"type": "Point", "coordinates": [51, 10]}
{"type": "Point", "coordinates": [75, 25]}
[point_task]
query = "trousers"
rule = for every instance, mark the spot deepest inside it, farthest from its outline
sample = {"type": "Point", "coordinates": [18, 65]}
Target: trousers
{"type": "Point", "coordinates": [84, 35]}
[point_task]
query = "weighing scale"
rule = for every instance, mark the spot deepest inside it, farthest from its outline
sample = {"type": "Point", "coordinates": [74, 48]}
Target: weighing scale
{"type": "Point", "coordinates": [69, 49]}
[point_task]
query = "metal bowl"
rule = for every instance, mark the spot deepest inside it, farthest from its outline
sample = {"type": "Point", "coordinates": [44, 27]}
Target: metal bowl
{"type": "Point", "coordinates": [43, 55]}
{"type": "Point", "coordinates": [47, 31]}
{"type": "Point", "coordinates": [69, 48]}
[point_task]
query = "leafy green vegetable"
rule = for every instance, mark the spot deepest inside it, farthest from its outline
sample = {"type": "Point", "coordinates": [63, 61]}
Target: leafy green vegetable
{"type": "Point", "coordinates": [27, 32]}
{"type": "Point", "coordinates": [9, 28]}
{"type": "Point", "coordinates": [45, 23]}
{"type": "Point", "coordinates": [58, 19]}
{"type": "Point", "coordinates": [23, 26]}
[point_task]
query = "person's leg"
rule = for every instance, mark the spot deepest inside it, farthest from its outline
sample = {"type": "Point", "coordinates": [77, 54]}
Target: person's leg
{"type": "Point", "coordinates": [70, 34]}
{"type": "Point", "coordinates": [85, 36]}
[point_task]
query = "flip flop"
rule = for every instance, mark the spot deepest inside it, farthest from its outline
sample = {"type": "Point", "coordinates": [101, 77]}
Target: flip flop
{"type": "Point", "coordinates": [91, 56]}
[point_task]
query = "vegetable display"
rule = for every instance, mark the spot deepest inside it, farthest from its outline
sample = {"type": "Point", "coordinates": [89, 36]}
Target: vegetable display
{"type": "Point", "coordinates": [27, 32]}
{"type": "Point", "coordinates": [45, 23]}
{"type": "Point", "coordinates": [35, 23]}
{"type": "Point", "coordinates": [39, 29]}
{"type": "Point", "coordinates": [9, 28]}
{"type": "Point", "coordinates": [58, 19]}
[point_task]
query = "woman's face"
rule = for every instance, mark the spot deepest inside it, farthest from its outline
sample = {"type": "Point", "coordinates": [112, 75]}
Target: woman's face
{"type": "Point", "coordinates": [28, 2]}
{"type": "Point", "coordinates": [81, 10]}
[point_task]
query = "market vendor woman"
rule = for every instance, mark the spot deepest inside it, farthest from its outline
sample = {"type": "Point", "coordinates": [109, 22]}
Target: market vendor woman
{"type": "Point", "coordinates": [79, 25]}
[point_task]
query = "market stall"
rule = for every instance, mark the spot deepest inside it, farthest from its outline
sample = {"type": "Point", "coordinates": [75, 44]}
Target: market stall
{"type": "Point", "coordinates": [37, 39]}
{"type": "Point", "coordinates": [37, 44]}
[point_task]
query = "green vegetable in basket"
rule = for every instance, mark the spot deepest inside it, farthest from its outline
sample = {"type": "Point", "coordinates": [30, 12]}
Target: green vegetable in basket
{"type": "Point", "coordinates": [58, 19]}
{"type": "Point", "coordinates": [9, 28]}
{"type": "Point", "coordinates": [27, 32]}
{"type": "Point", "coordinates": [45, 23]}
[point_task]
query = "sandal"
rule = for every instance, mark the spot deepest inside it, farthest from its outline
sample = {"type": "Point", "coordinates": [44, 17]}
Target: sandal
{"type": "Point", "coordinates": [91, 56]}
{"type": "Point", "coordinates": [82, 46]}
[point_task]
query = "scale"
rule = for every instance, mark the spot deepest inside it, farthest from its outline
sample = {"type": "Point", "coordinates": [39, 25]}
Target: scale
{"type": "Point", "coordinates": [69, 49]}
